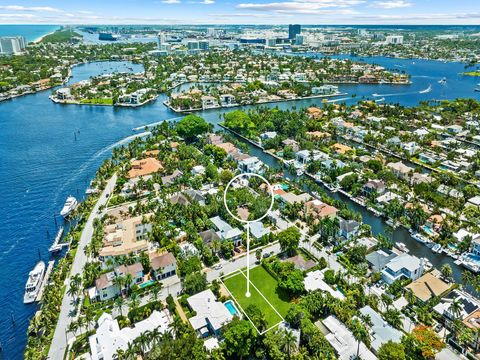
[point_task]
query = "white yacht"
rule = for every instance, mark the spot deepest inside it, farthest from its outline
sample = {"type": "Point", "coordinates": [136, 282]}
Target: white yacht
{"type": "Point", "coordinates": [34, 283]}
{"type": "Point", "coordinates": [69, 206]}
{"type": "Point", "coordinates": [401, 246]}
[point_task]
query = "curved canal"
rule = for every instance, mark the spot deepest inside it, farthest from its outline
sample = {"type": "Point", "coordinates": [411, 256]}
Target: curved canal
{"type": "Point", "coordinates": [49, 151]}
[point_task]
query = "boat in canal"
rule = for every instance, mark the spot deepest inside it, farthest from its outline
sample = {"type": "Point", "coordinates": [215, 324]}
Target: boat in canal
{"type": "Point", "coordinates": [419, 237]}
{"type": "Point", "coordinates": [401, 246]}
{"type": "Point", "coordinates": [437, 248]}
{"type": "Point", "coordinates": [34, 283]}
{"type": "Point", "coordinates": [478, 87]}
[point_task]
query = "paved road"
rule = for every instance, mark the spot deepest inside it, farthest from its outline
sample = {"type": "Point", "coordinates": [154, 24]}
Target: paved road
{"type": "Point", "coordinates": [59, 341]}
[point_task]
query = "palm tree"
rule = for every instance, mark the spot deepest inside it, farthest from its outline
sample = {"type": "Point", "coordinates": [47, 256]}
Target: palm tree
{"type": "Point", "coordinates": [446, 271]}
{"type": "Point", "coordinates": [464, 337]}
{"type": "Point", "coordinates": [455, 308]}
{"type": "Point", "coordinates": [134, 302]}
{"type": "Point", "coordinates": [73, 327]}
{"type": "Point", "coordinates": [410, 297]}
{"type": "Point", "coordinates": [394, 317]}
{"type": "Point", "coordinates": [118, 304]}
{"type": "Point", "coordinates": [289, 342]}
{"type": "Point", "coordinates": [176, 326]}
{"type": "Point", "coordinates": [216, 246]}
{"type": "Point", "coordinates": [360, 333]}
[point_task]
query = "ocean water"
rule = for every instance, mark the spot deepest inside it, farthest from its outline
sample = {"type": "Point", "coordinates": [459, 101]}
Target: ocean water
{"type": "Point", "coordinates": [30, 32]}
{"type": "Point", "coordinates": [42, 162]}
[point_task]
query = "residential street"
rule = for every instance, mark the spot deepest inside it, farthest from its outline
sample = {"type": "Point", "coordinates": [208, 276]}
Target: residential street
{"type": "Point", "coordinates": [59, 341]}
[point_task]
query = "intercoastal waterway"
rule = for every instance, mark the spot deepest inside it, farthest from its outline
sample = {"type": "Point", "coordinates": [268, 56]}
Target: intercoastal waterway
{"type": "Point", "coordinates": [49, 151]}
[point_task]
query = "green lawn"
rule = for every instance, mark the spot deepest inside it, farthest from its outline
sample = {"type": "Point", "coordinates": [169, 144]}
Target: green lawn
{"type": "Point", "coordinates": [266, 284]}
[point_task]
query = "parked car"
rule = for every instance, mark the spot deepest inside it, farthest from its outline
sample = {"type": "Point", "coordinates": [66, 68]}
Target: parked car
{"type": "Point", "coordinates": [266, 255]}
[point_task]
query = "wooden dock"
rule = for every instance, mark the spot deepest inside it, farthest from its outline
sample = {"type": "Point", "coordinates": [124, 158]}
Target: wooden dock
{"type": "Point", "coordinates": [45, 279]}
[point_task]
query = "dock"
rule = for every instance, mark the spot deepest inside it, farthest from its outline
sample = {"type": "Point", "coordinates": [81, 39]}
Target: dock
{"type": "Point", "coordinates": [57, 245]}
{"type": "Point", "coordinates": [45, 279]}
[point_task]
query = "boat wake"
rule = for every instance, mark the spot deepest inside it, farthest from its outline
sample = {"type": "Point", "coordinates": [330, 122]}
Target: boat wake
{"type": "Point", "coordinates": [155, 123]}
{"type": "Point", "coordinates": [98, 154]}
{"type": "Point", "coordinates": [427, 90]}
{"type": "Point", "coordinates": [335, 100]}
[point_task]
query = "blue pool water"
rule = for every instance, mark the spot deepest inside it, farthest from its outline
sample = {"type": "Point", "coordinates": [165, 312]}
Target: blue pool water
{"type": "Point", "coordinates": [147, 283]}
{"type": "Point", "coordinates": [231, 308]}
{"type": "Point", "coordinates": [428, 230]}
{"type": "Point", "coordinates": [473, 258]}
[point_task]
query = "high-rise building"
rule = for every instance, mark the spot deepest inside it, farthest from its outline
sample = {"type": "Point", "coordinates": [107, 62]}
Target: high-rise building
{"type": "Point", "coordinates": [12, 45]}
{"type": "Point", "coordinates": [203, 45]}
{"type": "Point", "coordinates": [394, 39]}
{"type": "Point", "coordinates": [294, 30]}
{"type": "Point", "coordinates": [299, 39]}
{"type": "Point", "coordinates": [271, 42]}
{"type": "Point", "coordinates": [161, 39]}
{"type": "Point", "coordinates": [192, 45]}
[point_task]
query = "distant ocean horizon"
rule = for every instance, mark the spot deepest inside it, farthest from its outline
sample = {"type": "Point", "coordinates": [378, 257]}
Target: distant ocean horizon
{"type": "Point", "coordinates": [30, 32]}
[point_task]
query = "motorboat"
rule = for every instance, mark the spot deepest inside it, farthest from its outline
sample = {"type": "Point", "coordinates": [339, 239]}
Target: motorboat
{"type": "Point", "coordinates": [437, 248]}
{"type": "Point", "coordinates": [69, 206]}
{"type": "Point", "coordinates": [401, 246]}
{"type": "Point", "coordinates": [34, 283]}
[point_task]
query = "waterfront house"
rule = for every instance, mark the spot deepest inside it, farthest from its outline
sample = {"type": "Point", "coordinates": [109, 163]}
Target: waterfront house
{"type": "Point", "coordinates": [404, 266]}
{"type": "Point", "coordinates": [401, 170]}
{"type": "Point", "coordinates": [226, 232]}
{"type": "Point", "coordinates": [163, 265]}
{"type": "Point", "coordinates": [319, 210]}
{"type": "Point", "coordinates": [210, 315]}
{"type": "Point", "coordinates": [109, 338]}
{"type": "Point", "coordinates": [410, 148]}
{"type": "Point", "coordinates": [291, 143]}
{"type": "Point", "coordinates": [428, 286]}
{"type": "Point", "coordinates": [341, 148]}
{"type": "Point", "coordinates": [106, 287]}
{"type": "Point", "coordinates": [209, 102]}
{"type": "Point", "coordinates": [227, 100]}
{"type": "Point", "coordinates": [348, 228]}
{"type": "Point", "coordinates": [418, 178]}
{"type": "Point", "coordinates": [143, 167]}
{"type": "Point", "coordinates": [373, 187]}
{"type": "Point", "coordinates": [377, 260]}
{"type": "Point", "coordinates": [380, 331]}
{"type": "Point", "coordinates": [251, 165]}
{"type": "Point", "coordinates": [290, 198]}
{"type": "Point", "coordinates": [343, 341]}
{"type": "Point", "coordinates": [305, 156]}
{"type": "Point", "coordinates": [268, 135]}
{"type": "Point", "coordinates": [125, 237]}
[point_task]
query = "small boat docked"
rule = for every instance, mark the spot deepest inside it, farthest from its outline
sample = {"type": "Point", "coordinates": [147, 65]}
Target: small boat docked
{"type": "Point", "coordinates": [437, 248]}
{"type": "Point", "coordinates": [34, 283]}
{"type": "Point", "coordinates": [443, 81]}
{"type": "Point", "coordinates": [69, 206]}
{"type": "Point", "coordinates": [401, 246]}
{"type": "Point", "coordinates": [478, 87]}
{"type": "Point", "coordinates": [420, 238]}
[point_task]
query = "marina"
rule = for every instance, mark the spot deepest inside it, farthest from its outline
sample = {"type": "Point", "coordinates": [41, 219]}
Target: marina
{"type": "Point", "coordinates": [46, 277]}
{"type": "Point", "coordinates": [57, 245]}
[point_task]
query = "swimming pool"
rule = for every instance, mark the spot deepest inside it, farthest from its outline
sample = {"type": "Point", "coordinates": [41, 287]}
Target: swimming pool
{"type": "Point", "coordinates": [473, 258]}
{"type": "Point", "coordinates": [146, 283]}
{"type": "Point", "coordinates": [428, 230]}
{"type": "Point", "coordinates": [231, 308]}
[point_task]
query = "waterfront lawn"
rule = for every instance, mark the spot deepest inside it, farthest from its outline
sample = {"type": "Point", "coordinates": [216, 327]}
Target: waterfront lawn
{"type": "Point", "coordinates": [97, 101]}
{"type": "Point", "coordinates": [267, 285]}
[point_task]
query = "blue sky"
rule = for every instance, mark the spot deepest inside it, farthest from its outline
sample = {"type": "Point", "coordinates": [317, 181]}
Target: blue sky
{"type": "Point", "coordinates": [240, 12]}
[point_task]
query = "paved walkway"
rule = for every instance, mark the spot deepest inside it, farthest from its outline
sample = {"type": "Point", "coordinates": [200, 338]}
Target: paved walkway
{"type": "Point", "coordinates": [180, 311]}
{"type": "Point", "coordinates": [59, 341]}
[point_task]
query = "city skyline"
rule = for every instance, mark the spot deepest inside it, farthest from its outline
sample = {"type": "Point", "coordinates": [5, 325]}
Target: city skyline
{"type": "Point", "coordinates": [351, 12]}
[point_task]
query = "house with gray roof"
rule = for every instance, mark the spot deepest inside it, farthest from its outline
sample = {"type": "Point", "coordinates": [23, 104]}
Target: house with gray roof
{"type": "Point", "coordinates": [380, 331]}
{"type": "Point", "coordinates": [227, 232]}
{"type": "Point", "coordinates": [379, 259]}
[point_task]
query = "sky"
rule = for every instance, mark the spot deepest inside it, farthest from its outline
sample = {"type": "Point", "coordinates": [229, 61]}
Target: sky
{"type": "Point", "coordinates": [462, 12]}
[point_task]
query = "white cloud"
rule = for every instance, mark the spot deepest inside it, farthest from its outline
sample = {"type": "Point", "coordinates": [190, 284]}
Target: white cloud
{"type": "Point", "coordinates": [207, 2]}
{"type": "Point", "coordinates": [30, 8]}
{"type": "Point", "coordinates": [394, 4]}
{"type": "Point", "coordinates": [171, 1]}
{"type": "Point", "coordinates": [304, 6]}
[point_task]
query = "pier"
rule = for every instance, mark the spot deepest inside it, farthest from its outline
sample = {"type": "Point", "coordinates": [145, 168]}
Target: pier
{"type": "Point", "coordinates": [57, 245]}
{"type": "Point", "coordinates": [45, 279]}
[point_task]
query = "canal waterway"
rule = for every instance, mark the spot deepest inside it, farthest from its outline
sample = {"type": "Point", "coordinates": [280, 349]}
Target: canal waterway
{"type": "Point", "coordinates": [49, 151]}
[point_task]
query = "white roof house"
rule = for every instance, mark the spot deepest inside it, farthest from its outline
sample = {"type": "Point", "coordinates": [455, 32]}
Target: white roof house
{"type": "Point", "coordinates": [344, 342]}
{"type": "Point", "coordinates": [225, 231]}
{"type": "Point", "coordinates": [109, 338]}
{"type": "Point", "coordinates": [314, 281]}
{"type": "Point", "coordinates": [211, 314]}
{"type": "Point", "coordinates": [403, 266]}
{"type": "Point", "coordinates": [258, 230]}
{"type": "Point", "coordinates": [381, 331]}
